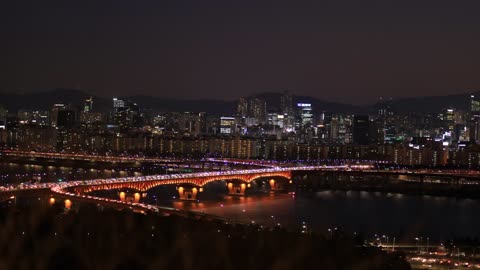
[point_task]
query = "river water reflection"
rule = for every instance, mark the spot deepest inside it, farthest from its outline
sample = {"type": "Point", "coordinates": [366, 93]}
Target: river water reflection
{"type": "Point", "coordinates": [403, 216]}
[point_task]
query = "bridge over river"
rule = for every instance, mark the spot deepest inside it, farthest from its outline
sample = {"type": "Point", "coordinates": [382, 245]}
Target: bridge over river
{"type": "Point", "coordinates": [189, 185]}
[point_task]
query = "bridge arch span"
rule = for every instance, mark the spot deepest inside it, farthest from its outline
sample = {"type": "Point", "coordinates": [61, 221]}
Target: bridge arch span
{"type": "Point", "coordinates": [144, 186]}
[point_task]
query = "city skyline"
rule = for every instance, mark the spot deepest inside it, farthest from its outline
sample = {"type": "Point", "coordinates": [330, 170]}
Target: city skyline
{"type": "Point", "coordinates": [280, 127]}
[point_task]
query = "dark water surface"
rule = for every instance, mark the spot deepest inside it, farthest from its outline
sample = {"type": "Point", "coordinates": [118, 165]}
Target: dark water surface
{"type": "Point", "coordinates": [394, 215]}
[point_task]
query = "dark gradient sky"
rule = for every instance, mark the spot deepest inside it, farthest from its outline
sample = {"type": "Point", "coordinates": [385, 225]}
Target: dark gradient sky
{"type": "Point", "coordinates": [351, 51]}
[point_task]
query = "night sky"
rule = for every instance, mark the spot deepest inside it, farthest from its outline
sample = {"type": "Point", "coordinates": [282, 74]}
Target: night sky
{"type": "Point", "coordinates": [350, 51]}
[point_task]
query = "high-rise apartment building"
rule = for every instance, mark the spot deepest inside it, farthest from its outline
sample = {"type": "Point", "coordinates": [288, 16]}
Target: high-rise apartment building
{"type": "Point", "coordinates": [253, 108]}
{"type": "Point", "coordinates": [242, 107]}
{"type": "Point", "coordinates": [286, 103]}
{"type": "Point", "coordinates": [117, 104]}
{"type": "Point", "coordinates": [227, 125]}
{"type": "Point", "coordinates": [54, 115]}
{"type": "Point", "coordinates": [475, 104]}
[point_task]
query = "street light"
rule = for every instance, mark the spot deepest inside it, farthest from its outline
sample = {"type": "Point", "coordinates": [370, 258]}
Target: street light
{"type": "Point", "coordinates": [428, 244]}
{"type": "Point", "coordinates": [304, 227]}
{"type": "Point", "coordinates": [385, 237]}
{"type": "Point", "coordinates": [458, 254]}
{"type": "Point", "coordinates": [274, 221]}
{"type": "Point", "coordinates": [14, 199]}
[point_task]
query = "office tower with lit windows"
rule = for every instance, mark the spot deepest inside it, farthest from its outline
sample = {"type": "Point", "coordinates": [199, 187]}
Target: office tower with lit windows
{"type": "Point", "coordinates": [3, 117]}
{"type": "Point", "coordinates": [192, 123]}
{"type": "Point", "coordinates": [475, 103]}
{"type": "Point", "coordinates": [305, 115]}
{"type": "Point", "coordinates": [242, 107]}
{"type": "Point", "coordinates": [88, 105]}
{"type": "Point", "coordinates": [474, 122]}
{"type": "Point", "coordinates": [474, 129]}
{"type": "Point", "coordinates": [88, 118]}
{"type": "Point", "coordinates": [257, 109]}
{"type": "Point", "coordinates": [24, 117]}
{"type": "Point", "coordinates": [252, 109]}
{"type": "Point", "coordinates": [286, 103]}
{"type": "Point", "coordinates": [227, 125]}
{"type": "Point", "coordinates": [384, 108]}
{"type": "Point", "coordinates": [449, 119]}
{"type": "Point", "coordinates": [276, 120]}
{"type": "Point", "coordinates": [127, 115]}
{"type": "Point", "coordinates": [117, 104]}
{"type": "Point", "coordinates": [54, 115]}
{"type": "Point", "coordinates": [41, 118]}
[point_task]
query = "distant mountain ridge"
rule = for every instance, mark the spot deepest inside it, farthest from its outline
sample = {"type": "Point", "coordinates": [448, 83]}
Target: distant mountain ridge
{"type": "Point", "coordinates": [273, 101]}
{"type": "Point", "coordinates": [45, 100]}
{"type": "Point", "coordinates": [433, 103]}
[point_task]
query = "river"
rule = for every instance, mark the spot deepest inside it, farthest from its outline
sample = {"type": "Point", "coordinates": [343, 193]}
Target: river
{"type": "Point", "coordinates": [394, 215]}
{"type": "Point", "coordinates": [405, 217]}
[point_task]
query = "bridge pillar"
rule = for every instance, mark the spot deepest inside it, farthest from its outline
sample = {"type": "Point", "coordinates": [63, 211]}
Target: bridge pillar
{"type": "Point", "coordinates": [276, 185]}
{"type": "Point", "coordinates": [68, 204]}
{"type": "Point", "coordinates": [136, 197]}
{"type": "Point", "coordinates": [124, 197]}
{"type": "Point", "coordinates": [188, 193]}
{"type": "Point", "coordinates": [237, 188]}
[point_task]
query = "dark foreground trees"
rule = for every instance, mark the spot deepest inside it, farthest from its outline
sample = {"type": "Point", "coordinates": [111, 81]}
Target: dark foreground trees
{"type": "Point", "coordinates": [92, 239]}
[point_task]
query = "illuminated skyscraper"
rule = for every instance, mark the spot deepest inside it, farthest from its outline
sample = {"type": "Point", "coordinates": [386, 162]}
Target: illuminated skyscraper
{"type": "Point", "coordinates": [54, 115]}
{"type": "Point", "coordinates": [192, 123]}
{"type": "Point", "coordinates": [449, 118]}
{"type": "Point", "coordinates": [474, 129]}
{"type": "Point", "coordinates": [384, 108]}
{"type": "Point", "coordinates": [88, 105]}
{"type": "Point", "coordinates": [118, 103]}
{"type": "Point", "coordinates": [242, 107]}
{"type": "Point", "coordinates": [305, 115]}
{"type": "Point", "coordinates": [3, 117]}
{"type": "Point", "coordinates": [475, 104]}
{"type": "Point", "coordinates": [286, 103]}
{"type": "Point", "coordinates": [127, 114]}
{"type": "Point", "coordinates": [253, 108]}
{"type": "Point", "coordinates": [257, 109]}
{"type": "Point", "coordinates": [227, 125]}
{"type": "Point", "coordinates": [474, 123]}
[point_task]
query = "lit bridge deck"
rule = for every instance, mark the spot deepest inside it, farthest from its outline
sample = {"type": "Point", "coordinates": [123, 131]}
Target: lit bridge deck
{"type": "Point", "coordinates": [78, 190]}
